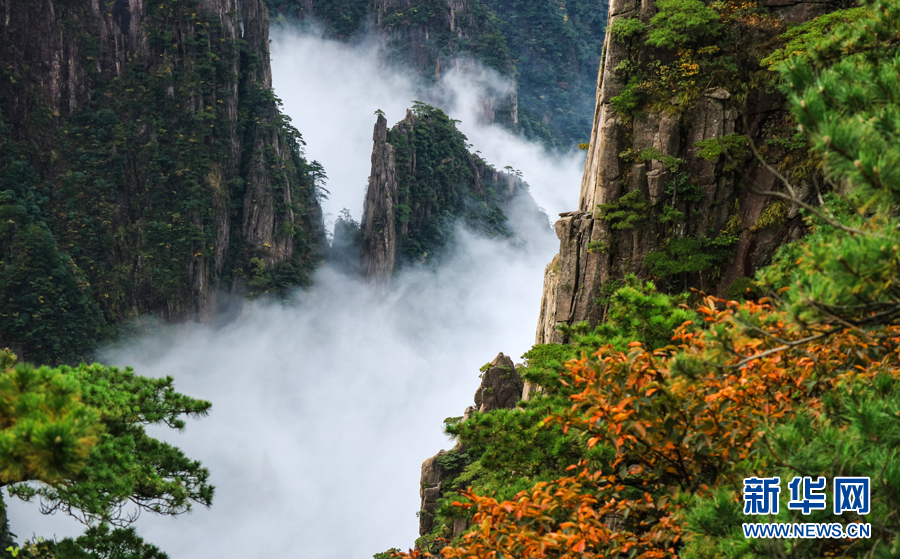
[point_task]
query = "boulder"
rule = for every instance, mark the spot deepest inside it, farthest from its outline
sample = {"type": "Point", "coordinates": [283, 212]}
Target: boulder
{"type": "Point", "coordinates": [501, 386]}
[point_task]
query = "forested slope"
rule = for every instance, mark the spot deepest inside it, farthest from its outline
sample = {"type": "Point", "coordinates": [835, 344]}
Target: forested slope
{"type": "Point", "coordinates": [144, 169]}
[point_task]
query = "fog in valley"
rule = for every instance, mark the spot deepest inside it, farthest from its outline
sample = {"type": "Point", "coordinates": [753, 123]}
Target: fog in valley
{"type": "Point", "coordinates": [324, 407]}
{"type": "Point", "coordinates": [332, 90]}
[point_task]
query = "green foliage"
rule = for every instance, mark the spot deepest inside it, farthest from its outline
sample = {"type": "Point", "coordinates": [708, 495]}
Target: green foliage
{"type": "Point", "coordinates": [46, 432]}
{"type": "Point", "coordinates": [344, 251]}
{"type": "Point", "coordinates": [47, 309]}
{"type": "Point", "coordinates": [478, 35]}
{"type": "Point", "coordinates": [689, 255]}
{"type": "Point", "coordinates": [825, 402]}
{"type": "Point", "coordinates": [638, 312]}
{"type": "Point", "coordinates": [514, 450]}
{"type": "Point", "coordinates": [700, 46]}
{"type": "Point", "coordinates": [734, 225]}
{"type": "Point", "coordinates": [598, 247]}
{"type": "Point", "coordinates": [126, 465]}
{"type": "Point", "coordinates": [625, 212]}
{"type": "Point", "coordinates": [853, 122]}
{"type": "Point", "coordinates": [626, 102]}
{"type": "Point", "coordinates": [844, 94]}
{"type": "Point", "coordinates": [671, 163]}
{"type": "Point", "coordinates": [857, 435]}
{"type": "Point", "coordinates": [552, 49]}
{"type": "Point", "coordinates": [342, 18]}
{"type": "Point", "coordinates": [625, 28]}
{"type": "Point", "coordinates": [733, 146]}
{"type": "Point", "coordinates": [453, 461]}
{"type": "Point", "coordinates": [670, 215]}
{"type": "Point", "coordinates": [135, 195]}
{"type": "Point", "coordinates": [80, 432]}
{"type": "Point", "coordinates": [555, 49]}
{"type": "Point", "coordinates": [682, 22]}
{"type": "Point", "coordinates": [386, 554]}
{"type": "Point", "coordinates": [742, 288]}
{"type": "Point", "coordinates": [772, 215]}
{"type": "Point", "coordinates": [681, 189]}
{"type": "Point", "coordinates": [543, 362]}
{"type": "Point", "coordinates": [98, 542]}
{"type": "Point", "coordinates": [507, 451]}
{"type": "Point", "coordinates": [843, 90]}
{"type": "Point", "coordinates": [799, 39]}
{"type": "Point", "coordinates": [279, 279]}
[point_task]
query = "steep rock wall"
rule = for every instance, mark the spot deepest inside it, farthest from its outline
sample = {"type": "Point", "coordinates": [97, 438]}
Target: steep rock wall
{"type": "Point", "coordinates": [435, 37]}
{"type": "Point", "coordinates": [162, 165]}
{"type": "Point", "coordinates": [633, 162]}
{"type": "Point", "coordinates": [379, 227]}
{"type": "Point", "coordinates": [720, 224]}
{"type": "Point", "coordinates": [547, 50]}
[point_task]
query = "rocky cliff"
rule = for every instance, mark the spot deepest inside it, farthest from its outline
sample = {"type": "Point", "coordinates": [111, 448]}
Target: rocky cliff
{"type": "Point", "coordinates": [670, 189]}
{"type": "Point", "coordinates": [423, 183]}
{"type": "Point", "coordinates": [147, 143]}
{"type": "Point", "coordinates": [435, 37]}
{"type": "Point", "coordinates": [379, 227]}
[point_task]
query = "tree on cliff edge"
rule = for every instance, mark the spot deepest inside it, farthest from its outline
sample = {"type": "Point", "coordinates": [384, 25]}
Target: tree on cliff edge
{"type": "Point", "coordinates": [74, 438]}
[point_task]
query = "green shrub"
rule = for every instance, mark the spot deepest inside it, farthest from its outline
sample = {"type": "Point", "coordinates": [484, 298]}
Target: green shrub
{"type": "Point", "coordinates": [623, 28]}
{"type": "Point", "coordinates": [598, 247]}
{"type": "Point", "coordinates": [772, 215]}
{"type": "Point", "coordinates": [800, 38]}
{"type": "Point", "coordinates": [682, 22]}
{"type": "Point", "coordinates": [626, 102]}
{"type": "Point", "coordinates": [625, 212]}
{"type": "Point", "coordinates": [679, 188]}
{"type": "Point", "coordinates": [671, 163]}
{"type": "Point", "coordinates": [690, 255]}
{"type": "Point", "coordinates": [732, 145]}
{"type": "Point", "coordinates": [742, 288]}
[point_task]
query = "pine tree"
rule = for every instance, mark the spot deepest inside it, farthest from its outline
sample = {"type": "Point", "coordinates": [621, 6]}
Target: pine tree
{"type": "Point", "coordinates": [81, 432]}
{"type": "Point", "coordinates": [845, 93]}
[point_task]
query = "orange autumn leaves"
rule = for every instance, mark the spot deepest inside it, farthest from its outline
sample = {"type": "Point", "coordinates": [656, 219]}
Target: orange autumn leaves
{"type": "Point", "coordinates": [680, 419]}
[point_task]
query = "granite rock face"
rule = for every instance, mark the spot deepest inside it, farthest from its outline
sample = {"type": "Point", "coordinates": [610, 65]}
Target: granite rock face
{"type": "Point", "coordinates": [417, 42]}
{"type": "Point", "coordinates": [501, 388]}
{"type": "Point", "coordinates": [378, 223]}
{"type": "Point", "coordinates": [429, 491]}
{"type": "Point", "coordinates": [592, 253]}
